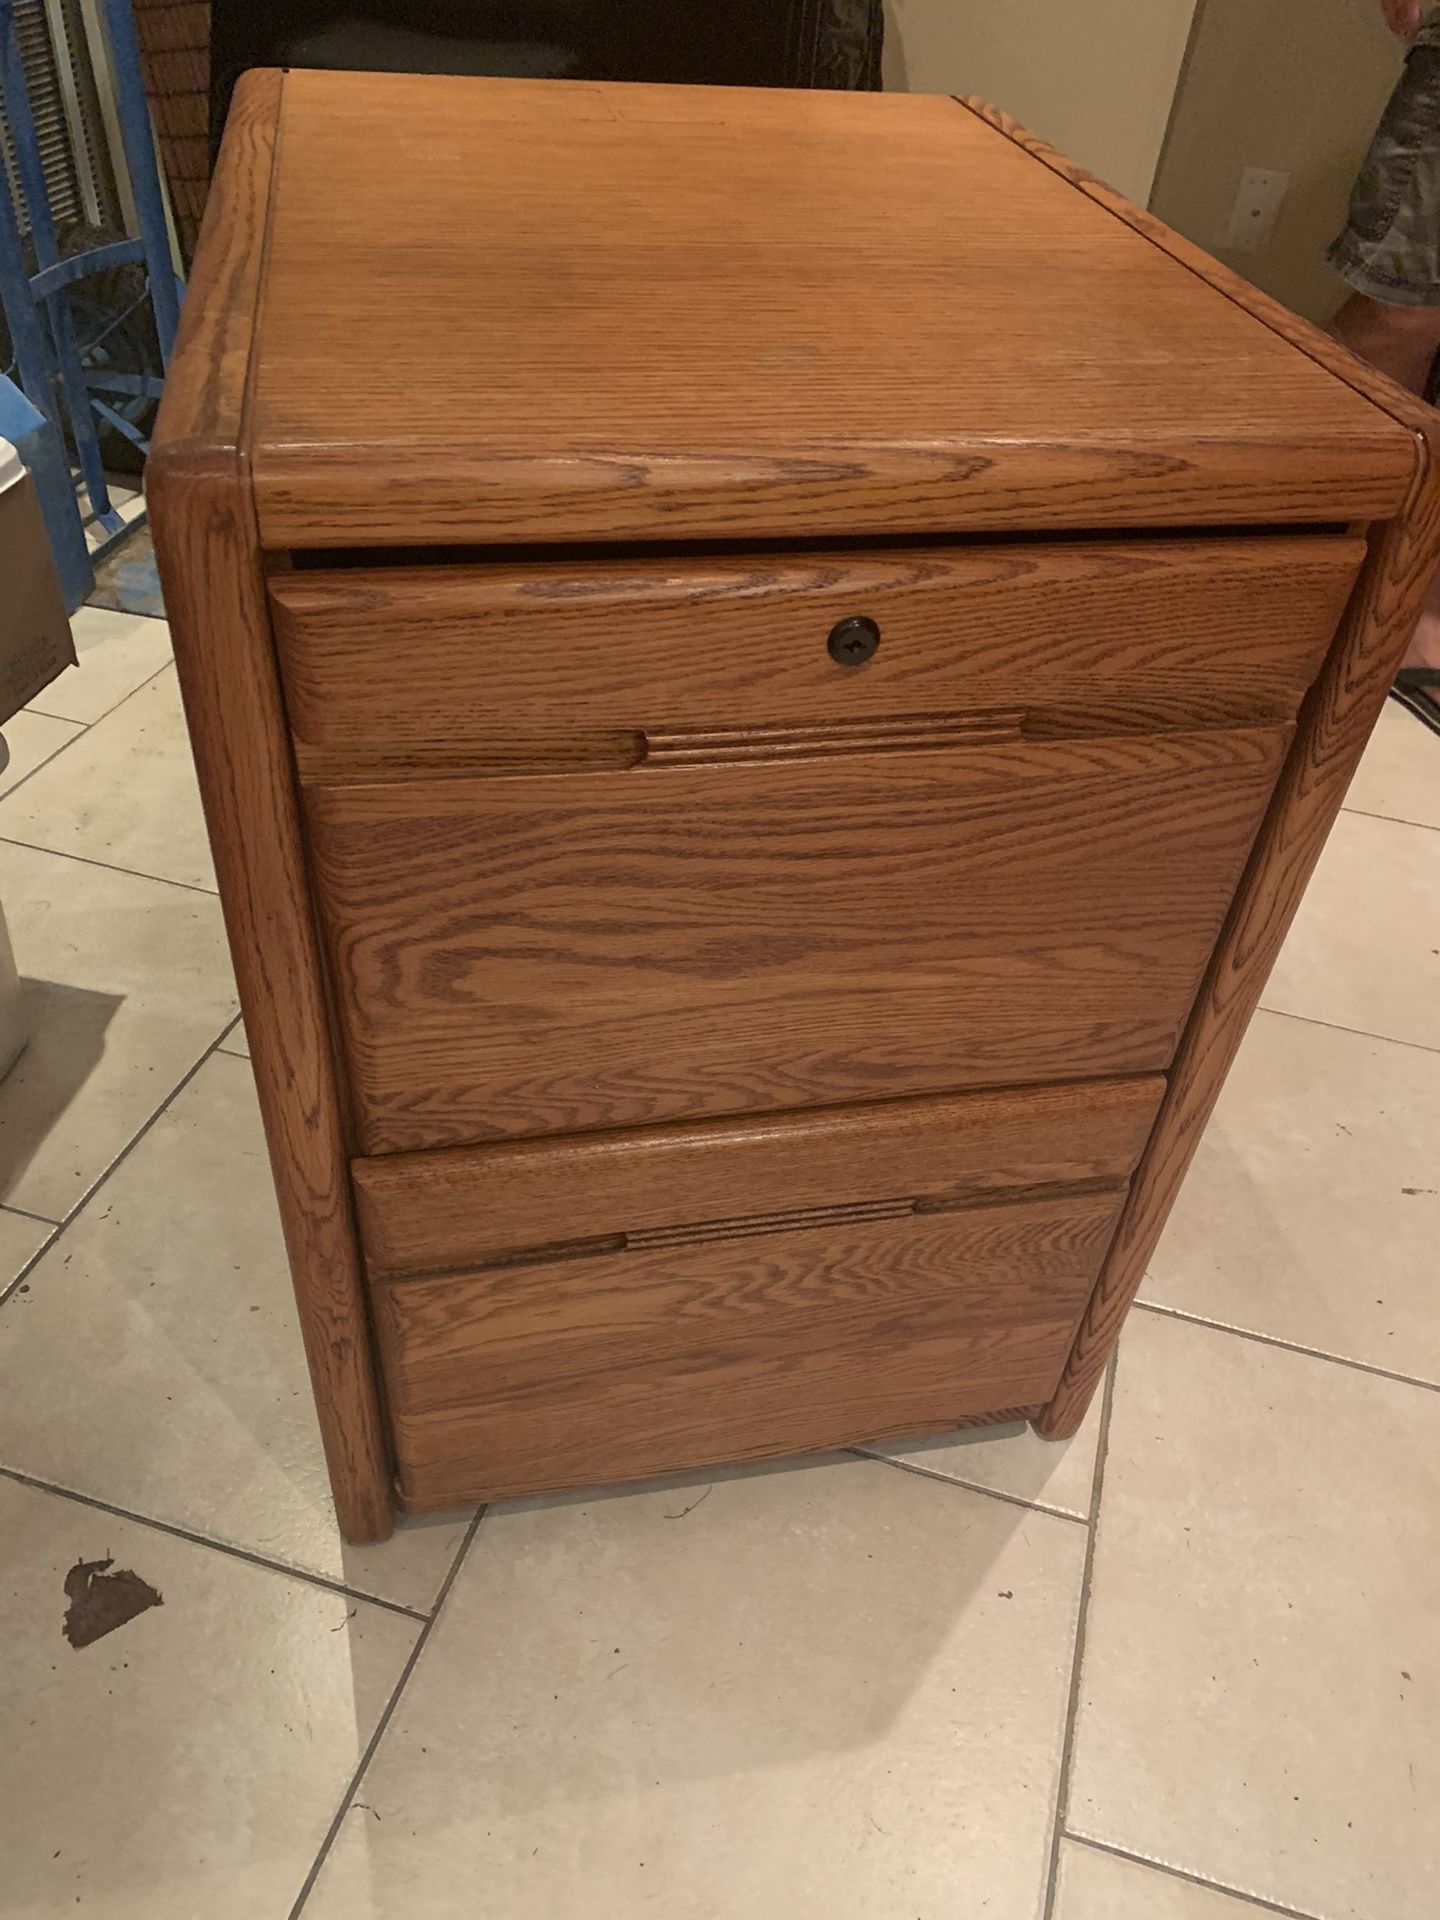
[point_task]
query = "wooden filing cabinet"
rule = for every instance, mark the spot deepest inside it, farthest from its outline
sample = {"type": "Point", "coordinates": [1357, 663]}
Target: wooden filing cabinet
{"type": "Point", "coordinates": [767, 672]}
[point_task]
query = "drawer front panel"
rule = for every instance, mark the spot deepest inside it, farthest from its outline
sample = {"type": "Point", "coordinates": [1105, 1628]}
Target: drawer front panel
{"type": "Point", "coordinates": [613, 1367]}
{"type": "Point", "coordinates": [516, 956]}
{"type": "Point", "coordinates": [472, 1204]}
{"type": "Point", "coordinates": [396, 671]}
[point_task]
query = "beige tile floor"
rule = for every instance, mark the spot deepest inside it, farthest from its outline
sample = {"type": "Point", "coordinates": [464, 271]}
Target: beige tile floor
{"type": "Point", "coordinates": [1187, 1668]}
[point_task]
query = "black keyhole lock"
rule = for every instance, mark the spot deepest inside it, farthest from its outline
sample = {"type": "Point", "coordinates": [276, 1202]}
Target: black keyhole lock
{"type": "Point", "coordinates": [852, 642]}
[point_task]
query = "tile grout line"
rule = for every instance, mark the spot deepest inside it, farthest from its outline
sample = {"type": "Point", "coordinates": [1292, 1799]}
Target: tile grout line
{"type": "Point", "coordinates": [969, 1486]}
{"type": "Point", "coordinates": [159, 1114]}
{"type": "Point", "coordinates": [90, 1192]}
{"type": "Point", "coordinates": [1365, 813]}
{"type": "Point", "coordinates": [106, 866]}
{"type": "Point", "coordinates": [86, 725]}
{"type": "Point", "coordinates": [1257, 1900]}
{"type": "Point", "coordinates": [1392, 819]}
{"type": "Point", "coordinates": [386, 1715]}
{"type": "Point", "coordinates": [25, 1213]}
{"type": "Point", "coordinates": [247, 1554]}
{"type": "Point", "coordinates": [1285, 1346]}
{"type": "Point", "coordinates": [1361, 1033]}
{"type": "Point", "coordinates": [1082, 1622]}
{"type": "Point", "coordinates": [18, 1280]}
{"type": "Point", "coordinates": [80, 728]}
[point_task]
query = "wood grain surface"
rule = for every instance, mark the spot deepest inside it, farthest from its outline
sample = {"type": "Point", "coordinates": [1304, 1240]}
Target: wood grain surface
{"type": "Point", "coordinates": [207, 546]}
{"type": "Point", "coordinates": [409, 669]}
{"type": "Point", "coordinates": [1403, 406]}
{"type": "Point", "coordinates": [614, 313]}
{"type": "Point", "coordinates": [614, 1367]}
{"type": "Point", "coordinates": [1334, 727]}
{"type": "Point", "coordinates": [608, 850]}
{"type": "Point", "coordinates": [455, 1208]}
{"type": "Point", "coordinates": [516, 956]}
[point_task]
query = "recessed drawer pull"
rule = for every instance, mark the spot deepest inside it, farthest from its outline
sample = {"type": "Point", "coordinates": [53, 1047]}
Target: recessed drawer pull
{"type": "Point", "coordinates": [869, 733]}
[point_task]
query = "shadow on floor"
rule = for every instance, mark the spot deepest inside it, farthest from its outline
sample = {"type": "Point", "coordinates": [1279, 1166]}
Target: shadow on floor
{"type": "Point", "coordinates": [67, 1028]}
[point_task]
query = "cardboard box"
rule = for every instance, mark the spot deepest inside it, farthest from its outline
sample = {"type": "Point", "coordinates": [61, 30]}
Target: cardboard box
{"type": "Point", "coordinates": [35, 643]}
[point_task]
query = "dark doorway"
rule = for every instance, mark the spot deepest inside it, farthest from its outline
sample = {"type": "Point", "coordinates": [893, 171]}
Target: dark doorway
{"type": "Point", "coordinates": [766, 43]}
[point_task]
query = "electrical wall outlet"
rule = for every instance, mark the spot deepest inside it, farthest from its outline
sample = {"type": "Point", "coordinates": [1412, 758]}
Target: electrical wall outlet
{"type": "Point", "coordinates": [1256, 209]}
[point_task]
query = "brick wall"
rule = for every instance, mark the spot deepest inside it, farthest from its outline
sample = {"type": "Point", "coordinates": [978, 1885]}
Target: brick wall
{"type": "Point", "coordinates": [174, 40]}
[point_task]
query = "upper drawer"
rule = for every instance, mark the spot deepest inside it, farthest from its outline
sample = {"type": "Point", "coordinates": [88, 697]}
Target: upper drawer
{"type": "Point", "coordinates": [527, 667]}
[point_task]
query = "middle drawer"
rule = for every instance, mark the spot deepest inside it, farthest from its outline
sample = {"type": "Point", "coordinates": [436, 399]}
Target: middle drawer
{"type": "Point", "coordinates": [555, 953]}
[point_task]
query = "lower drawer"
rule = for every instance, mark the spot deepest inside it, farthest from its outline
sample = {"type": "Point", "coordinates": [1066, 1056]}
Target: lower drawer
{"type": "Point", "coordinates": [675, 1353]}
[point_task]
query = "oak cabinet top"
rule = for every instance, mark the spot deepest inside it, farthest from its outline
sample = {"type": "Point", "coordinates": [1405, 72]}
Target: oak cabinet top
{"type": "Point", "coordinates": [500, 311]}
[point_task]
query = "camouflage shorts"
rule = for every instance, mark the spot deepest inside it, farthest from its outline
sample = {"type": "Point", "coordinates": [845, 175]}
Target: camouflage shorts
{"type": "Point", "coordinates": [1390, 248]}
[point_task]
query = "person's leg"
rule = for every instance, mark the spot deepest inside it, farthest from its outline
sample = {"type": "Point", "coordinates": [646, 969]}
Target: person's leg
{"type": "Point", "coordinates": [1389, 254]}
{"type": "Point", "coordinates": [1401, 341]}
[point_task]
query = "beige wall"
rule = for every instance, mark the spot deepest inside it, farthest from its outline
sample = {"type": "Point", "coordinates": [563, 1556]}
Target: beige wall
{"type": "Point", "coordinates": [1296, 84]}
{"type": "Point", "coordinates": [1094, 77]}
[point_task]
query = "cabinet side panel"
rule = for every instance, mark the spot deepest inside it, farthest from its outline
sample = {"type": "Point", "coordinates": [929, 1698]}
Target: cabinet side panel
{"type": "Point", "coordinates": [208, 549]}
{"type": "Point", "coordinates": [1335, 725]}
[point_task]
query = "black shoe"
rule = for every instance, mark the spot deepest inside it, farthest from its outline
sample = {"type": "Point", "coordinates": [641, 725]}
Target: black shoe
{"type": "Point", "coordinates": [1418, 688]}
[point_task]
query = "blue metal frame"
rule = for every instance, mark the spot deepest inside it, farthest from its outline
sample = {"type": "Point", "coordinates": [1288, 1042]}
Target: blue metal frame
{"type": "Point", "coordinates": [48, 349]}
{"type": "Point", "coordinates": [118, 253]}
{"type": "Point", "coordinates": [139, 144]}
